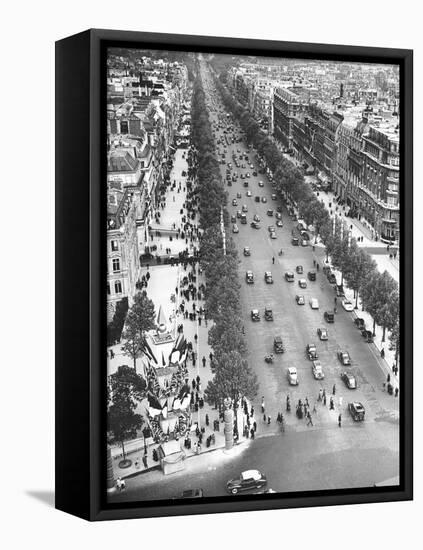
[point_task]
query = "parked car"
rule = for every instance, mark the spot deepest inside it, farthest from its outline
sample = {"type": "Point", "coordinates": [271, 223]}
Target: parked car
{"type": "Point", "coordinates": [311, 352]}
{"type": "Point", "coordinates": [255, 315]}
{"type": "Point", "coordinates": [347, 305]}
{"type": "Point", "coordinates": [289, 276]}
{"type": "Point", "coordinates": [302, 283]}
{"type": "Point", "coordinates": [244, 208]}
{"type": "Point", "coordinates": [249, 193]}
{"type": "Point", "coordinates": [278, 216]}
{"type": "Point", "coordinates": [329, 316]}
{"type": "Point", "coordinates": [279, 223]}
{"type": "Point", "coordinates": [295, 242]}
{"type": "Point", "coordinates": [367, 335]}
{"type": "Point", "coordinates": [357, 411]}
{"type": "Point", "coordinates": [323, 333]}
{"type": "Point", "coordinates": [257, 199]}
{"type": "Point", "coordinates": [317, 370]}
{"type": "Point", "coordinates": [273, 235]}
{"type": "Point", "coordinates": [359, 323]}
{"type": "Point", "coordinates": [299, 269]}
{"type": "Point", "coordinates": [256, 218]}
{"type": "Point", "coordinates": [238, 195]}
{"type": "Point", "coordinates": [300, 299]}
{"type": "Point", "coordinates": [349, 380]}
{"type": "Point", "coordinates": [261, 184]}
{"type": "Point", "coordinates": [250, 479]}
{"type": "Point", "coordinates": [249, 277]}
{"type": "Point", "coordinates": [278, 345]}
{"type": "Point", "coordinates": [332, 278]}
{"type": "Point", "coordinates": [344, 357]}
{"type": "Point", "coordinates": [263, 199]}
{"type": "Point", "coordinates": [247, 251]}
{"type": "Point", "coordinates": [311, 275]}
{"type": "Point", "coordinates": [271, 228]}
{"type": "Point", "coordinates": [234, 202]}
{"type": "Point", "coordinates": [238, 213]}
{"type": "Point", "coordinates": [314, 303]}
{"type": "Point", "coordinates": [268, 277]}
{"type": "Point", "coordinates": [268, 314]}
{"type": "Point", "coordinates": [233, 218]}
{"type": "Point", "coordinates": [269, 212]}
{"type": "Point", "coordinates": [274, 196]}
{"type": "Point", "coordinates": [235, 228]}
{"type": "Point", "coordinates": [255, 225]}
{"type": "Point", "coordinates": [292, 376]}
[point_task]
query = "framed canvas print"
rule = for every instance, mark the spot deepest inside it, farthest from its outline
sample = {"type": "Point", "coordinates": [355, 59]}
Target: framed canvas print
{"type": "Point", "coordinates": [234, 275]}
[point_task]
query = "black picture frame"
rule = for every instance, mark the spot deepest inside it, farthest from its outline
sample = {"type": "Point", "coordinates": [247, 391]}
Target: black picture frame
{"type": "Point", "coordinates": [81, 260]}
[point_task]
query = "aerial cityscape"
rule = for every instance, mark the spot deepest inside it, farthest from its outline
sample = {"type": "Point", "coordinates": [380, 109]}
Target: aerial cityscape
{"type": "Point", "coordinates": [253, 249]}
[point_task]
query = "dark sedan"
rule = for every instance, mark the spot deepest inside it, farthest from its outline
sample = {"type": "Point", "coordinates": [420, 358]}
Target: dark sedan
{"type": "Point", "coordinates": [250, 479]}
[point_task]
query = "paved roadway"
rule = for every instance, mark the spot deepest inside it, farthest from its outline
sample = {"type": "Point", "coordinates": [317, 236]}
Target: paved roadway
{"type": "Point", "coordinates": [324, 456]}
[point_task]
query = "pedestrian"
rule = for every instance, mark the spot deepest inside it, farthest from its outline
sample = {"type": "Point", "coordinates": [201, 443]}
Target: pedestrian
{"type": "Point", "coordinates": [334, 389]}
{"type": "Point", "coordinates": [252, 433]}
{"type": "Point", "coordinates": [268, 420]}
{"type": "Point", "coordinates": [396, 392]}
{"type": "Point", "coordinates": [331, 405]}
{"type": "Point", "coordinates": [264, 418]}
{"type": "Point", "coordinates": [262, 405]}
{"type": "Point", "coordinates": [309, 419]}
{"type": "Point", "coordinates": [388, 378]}
{"type": "Point", "coordinates": [204, 361]}
{"type": "Point", "coordinates": [122, 485]}
{"type": "Point", "coordinates": [195, 337]}
{"type": "Point", "coordinates": [314, 407]}
{"type": "Point", "coordinates": [252, 411]}
{"type": "Point", "coordinates": [273, 260]}
{"type": "Point", "coordinates": [339, 419]}
{"type": "Point", "coordinates": [320, 397]}
{"type": "Point", "coordinates": [193, 384]}
{"type": "Point", "coordinates": [382, 353]}
{"type": "Point", "coordinates": [255, 426]}
{"type": "Point", "coordinates": [340, 400]}
{"type": "Point", "coordinates": [211, 356]}
{"type": "Point", "coordinates": [207, 420]}
{"type": "Point", "coordinates": [119, 484]}
{"type": "Point", "coordinates": [144, 461]}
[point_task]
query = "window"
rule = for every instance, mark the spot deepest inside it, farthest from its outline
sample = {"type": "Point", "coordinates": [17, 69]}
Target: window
{"type": "Point", "coordinates": [115, 246]}
{"type": "Point", "coordinates": [116, 264]}
{"type": "Point", "coordinates": [108, 289]}
{"type": "Point", "coordinates": [118, 287]}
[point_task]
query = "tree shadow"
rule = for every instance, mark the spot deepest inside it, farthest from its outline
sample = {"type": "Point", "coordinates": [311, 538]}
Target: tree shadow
{"type": "Point", "coordinates": [46, 497]}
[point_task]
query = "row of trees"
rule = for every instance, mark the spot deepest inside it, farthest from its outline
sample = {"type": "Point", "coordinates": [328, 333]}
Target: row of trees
{"type": "Point", "coordinates": [233, 375]}
{"type": "Point", "coordinates": [378, 291]}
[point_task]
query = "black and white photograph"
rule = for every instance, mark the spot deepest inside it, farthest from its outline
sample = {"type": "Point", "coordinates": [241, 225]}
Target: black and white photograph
{"type": "Point", "coordinates": [253, 275]}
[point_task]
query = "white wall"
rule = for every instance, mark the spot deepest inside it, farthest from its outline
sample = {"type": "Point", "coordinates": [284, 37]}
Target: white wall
{"type": "Point", "coordinates": [29, 30]}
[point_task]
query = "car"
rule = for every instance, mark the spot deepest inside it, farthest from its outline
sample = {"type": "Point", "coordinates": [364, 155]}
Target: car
{"type": "Point", "coordinates": [249, 277]}
{"type": "Point", "coordinates": [357, 411]}
{"type": "Point", "coordinates": [254, 173]}
{"type": "Point", "coordinates": [268, 277]}
{"type": "Point", "coordinates": [317, 370]}
{"type": "Point", "coordinates": [349, 380]}
{"type": "Point", "coordinates": [249, 193]}
{"type": "Point", "coordinates": [367, 335]}
{"type": "Point", "coordinates": [250, 479]}
{"type": "Point", "coordinates": [257, 199]}
{"type": "Point", "coordinates": [255, 225]}
{"type": "Point", "coordinates": [243, 218]}
{"type": "Point", "coordinates": [322, 333]}
{"type": "Point", "coordinates": [247, 175]}
{"type": "Point", "coordinates": [263, 199]}
{"type": "Point", "coordinates": [261, 184]}
{"type": "Point", "coordinates": [329, 316]}
{"type": "Point", "coordinates": [243, 165]}
{"type": "Point", "coordinates": [332, 278]}
{"type": "Point", "coordinates": [278, 345]}
{"type": "Point", "coordinates": [344, 357]}
{"type": "Point", "coordinates": [302, 283]}
{"type": "Point", "coordinates": [299, 298]}
{"type": "Point", "coordinates": [304, 242]}
{"type": "Point", "coordinates": [268, 314]}
{"type": "Point", "coordinates": [242, 176]}
{"type": "Point", "coordinates": [255, 315]}
{"type": "Point", "coordinates": [311, 275]}
{"type": "Point", "coordinates": [289, 276]}
{"type": "Point", "coordinates": [359, 323]}
{"type": "Point", "coordinates": [256, 218]}
{"type": "Point", "coordinates": [347, 305]}
{"type": "Point", "coordinates": [340, 291]}
{"type": "Point", "coordinates": [235, 228]}
{"type": "Point", "coordinates": [278, 216]}
{"type": "Point", "coordinates": [269, 212]}
{"type": "Point", "coordinates": [238, 213]}
{"type": "Point", "coordinates": [244, 208]}
{"type": "Point", "coordinates": [192, 493]}
{"type": "Point", "coordinates": [292, 376]}
{"type": "Point", "coordinates": [271, 228]}
{"type": "Point", "coordinates": [311, 352]}
{"type": "Point", "coordinates": [233, 218]}
{"type": "Point", "coordinates": [234, 202]}
{"type": "Point", "coordinates": [279, 209]}
{"type": "Point", "coordinates": [273, 235]}
{"type": "Point", "coordinates": [274, 197]}
{"type": "Point", "coordinates": [279, 223]}
{"type": "Point", "coordinates": [299, 269]}
{"type": "Point", "coordinates": [238, 195]}
{"type": "Point", "coordinates": [314, 303]}
{"type": "Point", "coordinates": [295, 242]}
{"type": "Point", "coordinates": [247, 251]}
